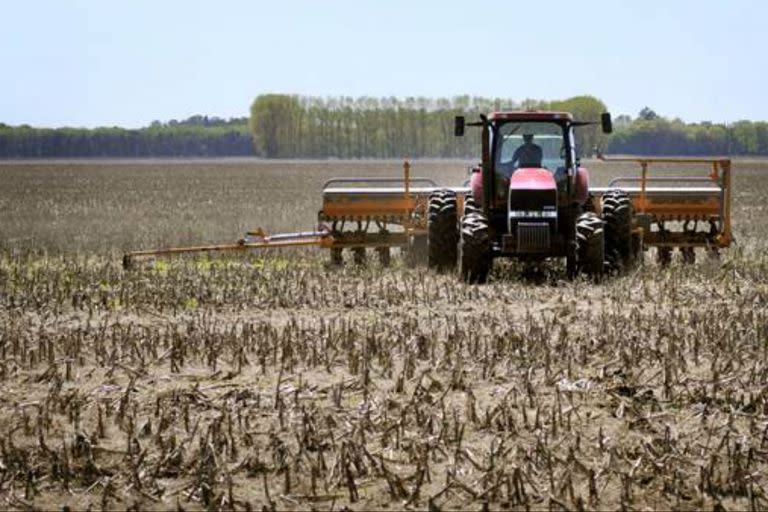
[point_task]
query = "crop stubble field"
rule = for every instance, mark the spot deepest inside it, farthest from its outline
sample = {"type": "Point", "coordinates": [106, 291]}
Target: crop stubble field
{"type": "Point", "coordinates": [274, 381]}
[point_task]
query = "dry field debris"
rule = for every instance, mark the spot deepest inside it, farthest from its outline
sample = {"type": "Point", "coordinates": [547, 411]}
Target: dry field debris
{"type": "Point", "coordinates": [273, 382]}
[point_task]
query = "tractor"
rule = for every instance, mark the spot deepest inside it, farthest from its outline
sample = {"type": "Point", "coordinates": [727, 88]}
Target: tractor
{"type": "Point", "coordinates": [529, 199]}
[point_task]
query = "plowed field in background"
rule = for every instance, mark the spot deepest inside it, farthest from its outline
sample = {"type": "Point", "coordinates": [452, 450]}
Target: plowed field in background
{"type": "Point", "coordinates": [277, 382]}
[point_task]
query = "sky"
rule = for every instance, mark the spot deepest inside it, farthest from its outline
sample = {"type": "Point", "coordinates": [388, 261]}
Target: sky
{"type": "Point", "coordinates": [126, 63]}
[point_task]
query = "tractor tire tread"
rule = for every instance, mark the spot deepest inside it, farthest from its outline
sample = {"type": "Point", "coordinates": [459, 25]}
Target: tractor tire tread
{"type": "Point", "coordinates": [442, 228]}
{"type": "Point", "coordinates": [590, 244]}
{"type": "Point", "coordinates": [618, 214]}
{"type": "Point", "coordinates": [475, 257]}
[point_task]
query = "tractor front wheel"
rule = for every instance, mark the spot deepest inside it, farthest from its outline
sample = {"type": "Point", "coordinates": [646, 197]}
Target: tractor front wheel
{"type": "Point", "coordinates": [590, 244]}
{"type": "Point", "coordinates": [475, 257]}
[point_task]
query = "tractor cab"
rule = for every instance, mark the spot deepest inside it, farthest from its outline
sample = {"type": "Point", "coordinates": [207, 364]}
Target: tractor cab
{"type": "Point", "coordinates": [529, 173]}
{"type": "Point", "coordinates": [531, 144]}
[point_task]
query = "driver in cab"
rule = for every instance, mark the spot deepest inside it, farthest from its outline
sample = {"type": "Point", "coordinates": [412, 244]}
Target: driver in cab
{"type": "Point", "coordinates": [527, 155]}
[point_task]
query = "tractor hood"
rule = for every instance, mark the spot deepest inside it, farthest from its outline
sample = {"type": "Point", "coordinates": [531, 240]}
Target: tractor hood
{"type": "Point", "coordinates": [532, 199]}
{"type": "Point", "coordinates": [532, 178]}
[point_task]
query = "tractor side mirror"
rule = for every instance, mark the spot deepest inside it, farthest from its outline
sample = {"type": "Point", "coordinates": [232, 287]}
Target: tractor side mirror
{"type": "Point", "coordinates": [458, 126]}
{"type": "Point", "coordinates": [607, 122]}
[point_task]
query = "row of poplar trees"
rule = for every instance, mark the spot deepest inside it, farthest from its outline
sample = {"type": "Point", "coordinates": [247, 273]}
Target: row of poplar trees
{"type": "Point", "coordinates": [287, 126]}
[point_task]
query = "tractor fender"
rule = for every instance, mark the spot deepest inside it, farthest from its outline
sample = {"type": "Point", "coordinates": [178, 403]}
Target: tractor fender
{"type": "Point", "coordinates": [581, 190]}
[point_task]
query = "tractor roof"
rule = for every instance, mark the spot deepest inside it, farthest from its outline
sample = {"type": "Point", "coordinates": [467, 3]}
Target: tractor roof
{"type": "Point", "coordinates": [530, 115]}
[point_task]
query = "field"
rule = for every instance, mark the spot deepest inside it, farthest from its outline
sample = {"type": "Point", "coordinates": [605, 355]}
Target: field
{"type": "Point", "coordinates": [276, 382]}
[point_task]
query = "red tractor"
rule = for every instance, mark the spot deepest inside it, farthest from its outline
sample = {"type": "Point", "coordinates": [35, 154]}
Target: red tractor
{"type": "Point", "coordinates": [529, 199]}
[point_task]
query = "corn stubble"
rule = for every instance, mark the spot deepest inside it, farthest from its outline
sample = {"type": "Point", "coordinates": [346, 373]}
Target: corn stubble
{"type": "Point", "coordinates": [276, 383]}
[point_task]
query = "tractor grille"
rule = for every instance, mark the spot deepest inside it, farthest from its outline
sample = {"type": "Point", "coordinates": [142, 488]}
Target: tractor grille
{"type": "Point", "coordinates": [532, 236]}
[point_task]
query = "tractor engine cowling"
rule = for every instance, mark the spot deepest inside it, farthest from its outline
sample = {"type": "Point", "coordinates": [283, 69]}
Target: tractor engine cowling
{"type": "Point", "coordinates": [531, 212]}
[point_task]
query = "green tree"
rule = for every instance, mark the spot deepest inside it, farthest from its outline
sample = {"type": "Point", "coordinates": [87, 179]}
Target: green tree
{"type": "Point", "coordinates": [274, 124]}
{"type": "Point", "coordinates": [647, 114]}
{"type": "Point", "coordinates": [585, 108]}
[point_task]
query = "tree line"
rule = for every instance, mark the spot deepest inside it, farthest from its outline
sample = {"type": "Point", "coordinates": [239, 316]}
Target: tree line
{"type": "Point", "coordinates": [310, 127]}
{"type": "Point", "coordinates": [291, 126]}
{"type": "Point", "coordinates": [651, 134]}
{"type": "Point", "coordinates": [197, 136]}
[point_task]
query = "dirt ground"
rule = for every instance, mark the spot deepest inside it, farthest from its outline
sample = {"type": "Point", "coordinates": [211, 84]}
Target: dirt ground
{"type": "Point", "coordinates": [278, 382]}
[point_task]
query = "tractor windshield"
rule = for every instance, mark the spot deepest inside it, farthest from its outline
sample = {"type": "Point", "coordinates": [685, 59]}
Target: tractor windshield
{"type": "Point", "coordinates": [530, 144]}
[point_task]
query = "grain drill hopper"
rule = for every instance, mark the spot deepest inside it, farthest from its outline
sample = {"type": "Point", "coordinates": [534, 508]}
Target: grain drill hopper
{"type": "Point", "coordinates": [530, 207]}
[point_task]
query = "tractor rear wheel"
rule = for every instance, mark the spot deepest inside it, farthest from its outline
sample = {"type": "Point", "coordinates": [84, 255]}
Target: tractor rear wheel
{"type": "Point", "coordinates": [475, 257]}
{"type": "Point", "coordinates": [443, 235]}
{"type": "Point", "coordinates": [590, 244]}
{"type": "Point", "coordinates": [617, 215]}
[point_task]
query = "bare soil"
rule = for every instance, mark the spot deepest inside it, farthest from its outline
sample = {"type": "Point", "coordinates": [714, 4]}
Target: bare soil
{"type": "Point", "coordinates": [273, 381]}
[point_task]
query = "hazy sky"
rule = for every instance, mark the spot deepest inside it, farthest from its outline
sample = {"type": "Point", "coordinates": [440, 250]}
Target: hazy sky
{"type": "Point", "coordinates": [127, 62]}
